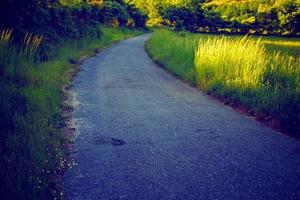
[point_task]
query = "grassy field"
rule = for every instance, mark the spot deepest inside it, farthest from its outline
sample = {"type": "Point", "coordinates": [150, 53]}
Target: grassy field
{"type": "Point", "coordinates": [259, 73]}
{"type": "Point", "coordinates": [31, 153]}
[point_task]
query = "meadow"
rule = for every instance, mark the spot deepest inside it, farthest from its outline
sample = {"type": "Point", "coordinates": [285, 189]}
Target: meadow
{"type": "Point", "coordinates": [260, 74]}
{"type": "Point", "coordinates": [32, 156]}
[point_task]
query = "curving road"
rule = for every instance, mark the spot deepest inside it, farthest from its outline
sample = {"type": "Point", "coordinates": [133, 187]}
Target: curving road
{"type": "Point", "coordinates": [142, 134]}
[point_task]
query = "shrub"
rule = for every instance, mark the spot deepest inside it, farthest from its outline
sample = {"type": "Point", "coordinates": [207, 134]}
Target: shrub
{"type": "Point", "coordinates": [113, 11]}
{"type": "Point", "coordinates": [62, 20]}
{"type": "Point", "coordinates": [139, 19]}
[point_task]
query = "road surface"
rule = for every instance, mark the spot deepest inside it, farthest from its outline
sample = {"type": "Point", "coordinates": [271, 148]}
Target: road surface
{"type": "Point", "coordinates": [143, 134]}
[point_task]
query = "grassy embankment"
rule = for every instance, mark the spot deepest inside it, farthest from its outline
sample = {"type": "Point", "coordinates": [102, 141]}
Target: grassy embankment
{"type": "Point", "coordinates": [31, 153]}
{"type": "Point", "coordinates": [262, 75]}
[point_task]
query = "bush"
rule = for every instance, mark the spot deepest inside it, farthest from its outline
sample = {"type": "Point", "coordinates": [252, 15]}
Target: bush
{"type": "Point", "coordinates": [58, 21]}
{"type": "Point", "coordinates": [137, 16]}
{"type": "Point", "coordinates": [113, 11]}
{"type": "Point", "coordinates": [189, 18]}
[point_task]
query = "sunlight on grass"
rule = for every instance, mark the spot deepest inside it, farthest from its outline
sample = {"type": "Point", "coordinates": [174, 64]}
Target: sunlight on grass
{"type": "Point", "coordinates": [238, 61]}
{"type": "Point", "coordinates": [175, 53]}
{"type": "Point", "coordinates": [282, 43]}
{"type": "Point", "coordinates": [244, 70]}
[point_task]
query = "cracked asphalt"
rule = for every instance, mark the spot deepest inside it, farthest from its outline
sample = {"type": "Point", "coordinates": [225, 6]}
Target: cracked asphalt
{"type": "Point", "coordinates": [144, 135]}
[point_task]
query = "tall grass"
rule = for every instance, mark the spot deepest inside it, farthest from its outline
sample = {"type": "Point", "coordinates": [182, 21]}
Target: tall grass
{"type": "Point", "coordinates": [238, 62]}
{"type": "Point", "coordinates": [176, 53]}
{"type": "Point", "coordinates": [235, 68]}
{"type": "Point", "coordinates": [30, 45]}
{"type": "Point", "coordinates": [31, 154]}
{"type": "Point", "coordinates": [242, 70]}
{"type": "Point", "coordinates": [5, 35]}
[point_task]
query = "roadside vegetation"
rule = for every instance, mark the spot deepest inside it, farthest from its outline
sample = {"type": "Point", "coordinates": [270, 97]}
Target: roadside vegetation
{"type": "Point", "coordinates": [40, 42]}
{"type": "Point", "coordinates": [31, 141]}
{"type": "Point", "coordinates": [267, 17]}
{"type": "Point", "coordinates": [260, 73]}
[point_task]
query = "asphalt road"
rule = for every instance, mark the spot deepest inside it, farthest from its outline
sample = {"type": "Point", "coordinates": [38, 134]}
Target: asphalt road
{"type": "Point", "coordinates": [143, 134]}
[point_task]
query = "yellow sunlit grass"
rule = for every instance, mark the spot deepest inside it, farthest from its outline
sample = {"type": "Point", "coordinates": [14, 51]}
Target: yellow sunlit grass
{"type": "Point", "coordinates": [244, 70]}
{"type": "Point", "coordinates": [5, 35]}
{"type": "Point", "coordinates": [282, 43]}
{"type": "Point", "coordinates": [239, 61]}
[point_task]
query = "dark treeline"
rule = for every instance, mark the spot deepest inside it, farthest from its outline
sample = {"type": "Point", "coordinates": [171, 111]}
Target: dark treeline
{"type": "Point", "coordinates": [272, 17]}
{"type": "Point", "coordinates": [58, 20]}
{"type": "Point", "coordinates": [74, 19]}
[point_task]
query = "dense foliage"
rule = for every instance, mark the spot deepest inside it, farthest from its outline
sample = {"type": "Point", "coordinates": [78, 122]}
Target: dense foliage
{"type": "Point", "coordinates": [59, 20]}
{"type": "Point", "coordinates": [260, 16]}
{"type": "Point", "coordinates": [281, 17]}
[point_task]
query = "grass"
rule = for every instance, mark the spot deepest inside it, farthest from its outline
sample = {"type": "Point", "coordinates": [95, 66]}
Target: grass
{"type": "Point", "coordinates": [259, 73]}
{"type": "Point", "coordinates": [239, 62]}
{"type": "Point", "coordinates": [31, 154]}
{"type": "Point", "coordinates": [175, 51]}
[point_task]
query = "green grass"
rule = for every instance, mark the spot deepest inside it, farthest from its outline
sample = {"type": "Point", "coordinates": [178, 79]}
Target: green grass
{"type": "Point", "coordinates": [260, 73]}
{"type": "Point", "coordinates": [239, 62]}
{"type": "Point", "coordinates": [31, 154]}
{"type": "Point", "coordinates": [175, 51]}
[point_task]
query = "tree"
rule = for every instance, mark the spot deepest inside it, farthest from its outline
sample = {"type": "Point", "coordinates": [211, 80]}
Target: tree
{"type": "Point", "coordinates": [114, 13]}
{"type": "Point", "coordinates": [289, 18]}
{"type": "Point", "coordinates": [267, 21]}
{"type": "Point", "coordinates": [138, 17]}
